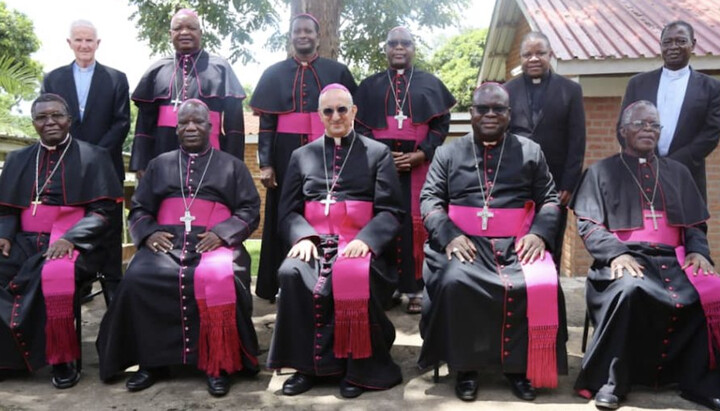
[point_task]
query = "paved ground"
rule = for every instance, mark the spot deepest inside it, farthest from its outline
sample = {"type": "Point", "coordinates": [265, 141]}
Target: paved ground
{"type": "Point", "coordinates": [187, 391]}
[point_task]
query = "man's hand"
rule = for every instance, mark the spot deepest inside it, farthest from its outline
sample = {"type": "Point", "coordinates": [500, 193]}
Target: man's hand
{"type": "Point", "coordinates": [267, 177]}
{"type": "Point", "coordinates": [59, 249]}
{"type": "Point", "coordinates": [462, 248]}
{"type": "Point", "coordinates": [208, 242]}
{"type": "Point", "coordinates": [625, 262]}
{"type": "Point", "coordinates": [138, 175]}
{"type": "Point", "coordinates": [405, 162]}
{"type": "Point", "coordinates": [304, 250]}
{"type": "Point", "coordinates": [530, 248]}
{"type": "Point", "coordinates": [159, 241]}
{"type": "Point", "coordinates": [5, 247]}
{"type": "Point", "coordinates": [698, 263]}
{"type": "Point", "coordinates": [356, 248]}
{"type": "Point", "coordinates": [564, 197]}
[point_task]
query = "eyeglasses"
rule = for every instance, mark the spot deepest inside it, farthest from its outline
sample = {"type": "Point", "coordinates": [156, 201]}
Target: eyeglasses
{"type": "Point", "coordinates": [483, 110]}
{"type": "Point", "coordinates": [394, 43]}
{"type": "Point", "coordinates": [641, 124]}
{"type": "Point", "coordinates": [43, 118]}
{"type": "Point", "coordinates": [342, 110]}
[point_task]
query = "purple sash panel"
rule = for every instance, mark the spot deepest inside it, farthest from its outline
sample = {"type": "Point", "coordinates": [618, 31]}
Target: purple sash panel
{"type": "Point", "coordinates": [58, 281]}
{"type": "Point", "coordinates": [167, 117]}
{"type": "Point", "coordinates": [506, 222]}
{"type": "Point", "coordinates": [219, 346]}
{"type": "Point", "coordinates": [301, 123]}
{"type": "Point", "coordinates": [351, 276]}
{"type": "Point", "coordinates": [707, 286]}
{"type": "Point", "coordinates": [540, 280]}
{"type": "Point", "coordinates": [416, 133]}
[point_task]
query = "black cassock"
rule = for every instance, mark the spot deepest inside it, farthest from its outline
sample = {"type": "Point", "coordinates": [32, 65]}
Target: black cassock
{"type": "Point", "coordinates": [153, 319]}
{"type": "Point", "coordinates": [475, 315]}
{"type": "Point", "coordinates": [303, 337]}
{"type": "Point", "coordinates": [208, 78]}
{"type": "Point", "coordinates": [290, 86]}
{"type": "Point", "coordinates": [427, 103]}
{"type": "Point", "coordinates": [85, 178]}
{"type": "Point", "coordinates": [649, 331]}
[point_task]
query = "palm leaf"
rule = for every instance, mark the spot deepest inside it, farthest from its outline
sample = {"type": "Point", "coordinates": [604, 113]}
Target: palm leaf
{"type": "Point", "coordinates": [15, 78]}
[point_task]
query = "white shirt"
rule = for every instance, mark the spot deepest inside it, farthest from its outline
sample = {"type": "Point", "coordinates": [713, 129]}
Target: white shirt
{"type": "Point", "coordinates": [670, 97]}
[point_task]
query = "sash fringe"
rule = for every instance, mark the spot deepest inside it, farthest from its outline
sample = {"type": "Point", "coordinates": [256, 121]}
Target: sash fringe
{"type": "Point", "coordinates": [219, 347]}
{"type": "Point", "coordinates": [419, 237]}
{"type": "Point", "coordinates": [61, 344]}
{"type": "Point", "coordinates": [352, 329]}
{"type": "Point", "coordinates": [542, 356]}
{"type": "Point", "coordinates": [712, 318]}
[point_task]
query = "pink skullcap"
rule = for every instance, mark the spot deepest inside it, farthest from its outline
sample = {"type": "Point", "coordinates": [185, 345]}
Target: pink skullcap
{"type": "Point", "coordinates": [334, 86]}
{"type": "Point", "coordinates": [189, 12]}
{"type": "Point", "coordinates": [307, 15]}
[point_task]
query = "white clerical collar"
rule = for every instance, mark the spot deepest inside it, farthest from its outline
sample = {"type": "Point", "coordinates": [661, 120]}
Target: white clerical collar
{"type": "Point", "coordinates": [400, 72]}
{"type": "Point", "coordinates": [88, 69]}
{"type": "Point", "coordinates": [536, 80]}
{"type": "Point", "coordinates": [675, 74]}
{"type": "Point", "coordinates": [53, 148]}
{"type": "Point", "coordinates": [338, 140]}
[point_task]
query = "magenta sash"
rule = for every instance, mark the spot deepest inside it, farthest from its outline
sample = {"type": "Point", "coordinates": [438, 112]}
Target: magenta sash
{"type": "Point", "coordinates": [167, 117]}
{"type": "Point", "coordinates": [219, 346]}
{"type": "Point", "coordinates": [351, 276]}
{"type": "Point", "coordinates": [541, 280]}
{"type": "Point", "coordinates": [301, 123]}
{"type": "Point", "coordinates": [707, 286]}
{"type": "Point", "coordinates": [416, 133]}
{"type": "Point", "coordinates": [58, 281]}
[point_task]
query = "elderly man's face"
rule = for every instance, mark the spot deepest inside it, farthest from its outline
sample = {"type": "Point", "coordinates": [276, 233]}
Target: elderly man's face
{"type": "Point", "coordinates": [193, 128]}
{"type": "Point", "coordinates": [642, 132]}
{"type": "Point", "coordinates": [83, 42]}
{"type": "Point", "coordinates": [304, 36]}
{"type": "Point", "coordinates": [51, 121]}
{"type": "Point", "coordinates": [535, 57]}
{"type": "Point", "coordinates": [185, 33]}
{"type": "Point", "coordinates": [676, 47]}
{"type": "Point", "coordinates": [490, 113]}
{"type": "Point", "coordinates": [337, 113]}
{"type": "Point", "coordinates": [400, 49]}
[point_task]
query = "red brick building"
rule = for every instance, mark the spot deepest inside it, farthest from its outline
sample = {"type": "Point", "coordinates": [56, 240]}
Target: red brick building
{"type": "Point", "coordinates": [601, 44]}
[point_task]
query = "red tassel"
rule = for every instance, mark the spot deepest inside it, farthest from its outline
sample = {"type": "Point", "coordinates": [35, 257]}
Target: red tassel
{"type": "Point", "coordinates": [542, 357]}
{"type": "Point", "coordinates": [61, 344]}
{"type": "Point", "coordinates": [203, 348]}
{"type": "Point", "coordinates": [222, 348]}
{"type": "Point", "coordinates": [352, 329]}
{"type": "Point", "coordinates": [712, 318]}
{"type": "Point", "coordinates": [419, 237]}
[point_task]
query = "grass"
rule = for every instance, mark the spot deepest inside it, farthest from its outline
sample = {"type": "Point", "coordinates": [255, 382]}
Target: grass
{"type": "Point", "coordinates": [253, 248]}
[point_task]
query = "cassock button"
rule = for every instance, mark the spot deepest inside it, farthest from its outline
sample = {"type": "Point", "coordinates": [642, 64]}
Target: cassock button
{"type": "Point", "coordinates": [506, 353]}
{"type": "Point", "coordinates": [15, 324]}
{"type": "Point", "coordinates": [318, 325]}
{"type": "Point", "coordinates": [184, 297]}
{"type": "Point", "coordinates": [674, 318]}
{"type": "Point", "coordinates": [318, 335]}
{"type": "Point", "coordinates": [318, 315]}
{"type": "Point", "coordinates": [671, 288]}
{"type": "Point", "coordinates": [399, 270]}
{"type": "Point", "coordinates": [664, 267]}
{"type": "Point", "coordinates": [510, 299]}
{"type": "Point", "coordinates": [187, 340]}
{"type": "Point", "coordinates": [507, 339]}
{"type": "Point", "coordinates": [23, 344]}
{"type": "Point", "coordinates": [667, 279]}
{"type": "Point", "coordinates": [184, 318]}
{"type": "Point", "coordinates": [666, 341]}
{"type": "Point", "coordinates": [647, 175]}
{"type": "Point", "coordinates": [27, 354]}
{"type": "Point", "coordinates": [502, 266]}
{"type": "Point", "coordinates": [648, 189]}
{"type": "Point", "coordinates": [489, 170]}
{"type": "Point", "coordinates": [678, 305]}
{"type": "Point", "coordinates": [509, 313]}
{"type": "Point", "coordinates": [318, 358]}
{"type": "Point", "coordinates": [187, 350]}
{"type": "Point", "coordinates": [318, 346]}
{"type": "Point", "coordinates": [498, 252]}
{"type": "Point", "coordinates": [663, 355]}
{"type": "Point", "coordinates": [184, 307]}
{"type": "Point", "coordinates": [318, 306]}
{"type": "Point", "coordinates": [674, 296]}
{"type": "Point", "coordinates": [489, 156]}
{"type": "Point", "coordinates": [508, 325]}
{"type": "Point", "coordinates": [187, 328]}
{"type": "Point", "coordinates": [670, 330]}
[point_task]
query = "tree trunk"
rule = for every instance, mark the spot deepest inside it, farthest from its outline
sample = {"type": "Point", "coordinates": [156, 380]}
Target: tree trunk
{"type": "Point", "coordinates": [327, 12]}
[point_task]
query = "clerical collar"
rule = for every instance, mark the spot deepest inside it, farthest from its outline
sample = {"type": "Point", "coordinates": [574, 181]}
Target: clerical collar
{"type": "Point", "coordinates": [642, 160]}
{"type": "Point", "coordinates": [399, 72]}
{"type": "Point", "coordinates": [489, 144]}
{"type": "Point", "coordinates": [673, 74]}
{"type": "Point", "coordinates": [194, 54]}
{"type": "Point", "coordinates": [198, 154]}
{"type": "Point", "coordinates": [88, 69]}
{"type": "Point", "coordinates": [306, 62]}
{"type": "Point", "coordinates": [344, 140]}
{"type": "Point", "coordinates": [537, 80]}
{"type": "Point", "coordinates": [53, 148]}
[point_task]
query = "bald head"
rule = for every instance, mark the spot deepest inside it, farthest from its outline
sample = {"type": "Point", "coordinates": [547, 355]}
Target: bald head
{"type": "Point", "coordinates": [491, 88]}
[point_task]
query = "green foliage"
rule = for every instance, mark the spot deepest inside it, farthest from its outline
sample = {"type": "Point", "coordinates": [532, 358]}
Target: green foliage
{"type": "Point", "coordinates": [457, 64]}
{"type": "Point", "coordinates": [14, 124]}
{"type": "Point", "coordinates": [17, 42]}
{"type": "Point", "coordinates": [248, 93]}
{"type": "Point", "coordinates": [225, 19]}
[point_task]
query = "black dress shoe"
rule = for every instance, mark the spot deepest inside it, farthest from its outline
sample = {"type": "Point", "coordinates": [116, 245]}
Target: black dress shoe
{"type": "Point", "coordinates": [348, 390]}
{"type": "Point", "coordinates": [605, 400]}
{"type": "Point", "coordinates": [140, 380]}
{"type": "Point", "coordinates": [467, 385]}
{"type": "Point", "coordinates": [298, 383]}
{"type": "Point", "coordinates": [65, 375]}
{"type": "Point", "coordinates": [710, 402]}
{"type": "Point", "coordinates": [521, 387]}
{"type": "Point", "coordinates": [218, 386]}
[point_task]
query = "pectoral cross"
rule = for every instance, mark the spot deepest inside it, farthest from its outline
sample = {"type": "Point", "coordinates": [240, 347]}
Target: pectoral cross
{"type": "Point", "coordinates": [35, 204]}
{"type": "Point", "coordinates": [400, 117]}
{"type": "Point", "coordinates": [175, 103]}
{"type": "Point", "coordinates": [485, 214]}
{"type": "Point", "coordinates": [327, 201]}
{"type": "Point", "coordinates": [187, 219]}
{"type": "Point", "coordinates": [653, 216]}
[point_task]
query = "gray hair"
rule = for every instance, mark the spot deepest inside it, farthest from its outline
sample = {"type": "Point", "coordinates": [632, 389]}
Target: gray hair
{"type": "Point", "coordinates": [83, 23]}
{"type": "Point", "coordinates": [343, 89]}
{"type": "Point", "coordinates": [629, 110]}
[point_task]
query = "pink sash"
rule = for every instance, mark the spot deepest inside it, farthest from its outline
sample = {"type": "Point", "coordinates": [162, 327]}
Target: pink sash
{"type": "Point", "coordinates": [167, 117]}
{"type": "Point", "coordinates": [416, 133]}
{"type": "Point", "coordinates": [58, 281]}
{"type": "Point", "coordinates": [301, 123]}
{"type": "Point", "coordinates": [351, 276]}
{"type": "Point", "coordinates": [707, 286]}
{"type": "Point", "coordinates": [219, 345]}
{"type": "Point", "coordinates": [541, 282]}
